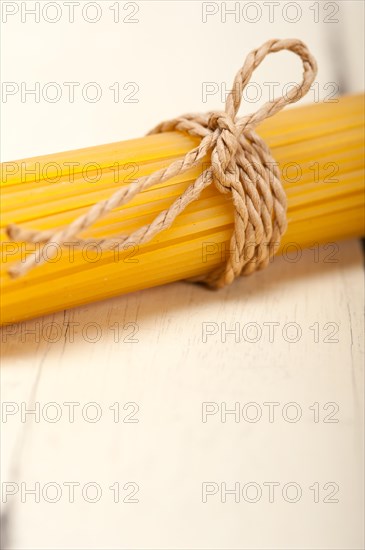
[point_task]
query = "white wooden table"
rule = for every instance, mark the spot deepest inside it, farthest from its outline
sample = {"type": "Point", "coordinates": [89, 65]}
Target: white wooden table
{"type": "Point", "coordinates": [156, 370]}
{"type": "Point", "coordinates": [145, 421]}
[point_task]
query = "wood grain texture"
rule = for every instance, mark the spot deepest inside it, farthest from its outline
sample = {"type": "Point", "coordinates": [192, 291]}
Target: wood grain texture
{"type": "Point", "coordinates": [169, 372]}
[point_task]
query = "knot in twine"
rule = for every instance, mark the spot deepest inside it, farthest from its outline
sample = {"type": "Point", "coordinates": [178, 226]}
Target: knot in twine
{"type": "Point", "coordinates": [241, 165]}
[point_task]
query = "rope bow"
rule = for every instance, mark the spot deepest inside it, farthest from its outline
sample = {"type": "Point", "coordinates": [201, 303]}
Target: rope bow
{"type": "Point", "coordinates": [241, 165]}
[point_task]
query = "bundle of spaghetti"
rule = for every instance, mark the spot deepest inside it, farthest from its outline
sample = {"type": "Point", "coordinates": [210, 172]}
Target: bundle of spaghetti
{"type": "Point", "coordinates": [320, 152]}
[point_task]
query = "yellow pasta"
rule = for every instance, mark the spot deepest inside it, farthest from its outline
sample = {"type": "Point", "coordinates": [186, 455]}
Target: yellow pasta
{"type": "Point", "coordinates": [319, 149]}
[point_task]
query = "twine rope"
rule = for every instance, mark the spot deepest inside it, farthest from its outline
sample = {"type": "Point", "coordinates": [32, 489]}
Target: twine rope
{"type": "Point", "coordinates": [241, 165]}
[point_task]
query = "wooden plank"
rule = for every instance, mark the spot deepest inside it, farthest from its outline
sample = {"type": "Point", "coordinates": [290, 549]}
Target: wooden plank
{"type": "Point", "coordinates": [169, 373]}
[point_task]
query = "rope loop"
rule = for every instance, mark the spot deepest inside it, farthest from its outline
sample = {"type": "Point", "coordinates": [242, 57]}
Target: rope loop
{"type": "Point", "coordinates": [241, 164]}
